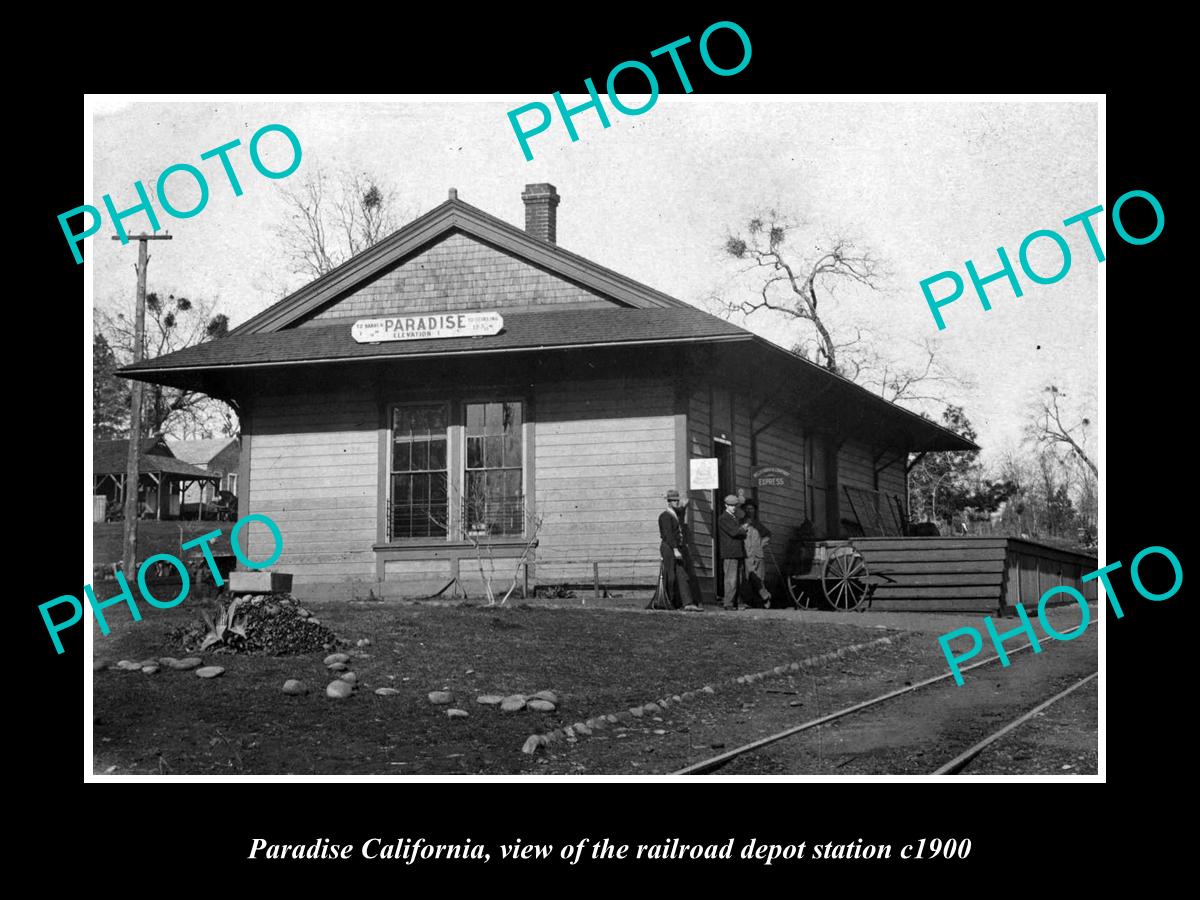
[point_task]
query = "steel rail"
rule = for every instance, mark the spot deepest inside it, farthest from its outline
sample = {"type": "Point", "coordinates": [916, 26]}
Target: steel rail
{"type": "Point", "coordinates": [717, 762]}
{"type": "Point", "coordinates": [961, 761]}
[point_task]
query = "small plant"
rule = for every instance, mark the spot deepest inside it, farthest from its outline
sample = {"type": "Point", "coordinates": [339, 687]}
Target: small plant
{"type": "Point", "coordinates": [227, 627]}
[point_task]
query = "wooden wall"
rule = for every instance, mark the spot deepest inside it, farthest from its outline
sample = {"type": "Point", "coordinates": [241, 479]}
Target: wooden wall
{"type": "Point", "coordinates": [780, 442]}
{"type": "Point", "coordinates": [458, 272]}
{"type": "Point", "coordinates": [985, 574]}
{"type": "Point", "coordinates": [701, 515]}
{"type": "Point", "coordinates": [314, 469]}
{"type": "Point", "coordinates": [782, 509]}
{"type": "Point", "coordinates": [856, 466]}
{"type": "Point", "coordinates": [605, 458]}
{"type": "Point", "coordinates": [893, 479]}
{"type": "Point", "coordinates": [1032, 569]}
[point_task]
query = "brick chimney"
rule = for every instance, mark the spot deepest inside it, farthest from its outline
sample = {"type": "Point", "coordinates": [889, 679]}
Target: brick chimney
{"type": "Point", "coordinates": [541, 201]}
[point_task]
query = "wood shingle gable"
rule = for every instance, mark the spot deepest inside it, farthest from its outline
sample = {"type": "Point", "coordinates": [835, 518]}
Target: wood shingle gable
{"type": "Point", "coordinates": [593, 284]}
{"type": "Point", "coordinates": [459, 272]}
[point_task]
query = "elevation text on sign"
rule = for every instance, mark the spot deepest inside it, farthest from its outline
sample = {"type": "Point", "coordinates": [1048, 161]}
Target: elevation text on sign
{"type": "Point", "coordinates": [411, 328]}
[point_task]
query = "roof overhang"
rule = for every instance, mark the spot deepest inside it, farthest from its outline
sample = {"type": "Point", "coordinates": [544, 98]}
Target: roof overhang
{"type": "Point", "coordinates": [823, 399]}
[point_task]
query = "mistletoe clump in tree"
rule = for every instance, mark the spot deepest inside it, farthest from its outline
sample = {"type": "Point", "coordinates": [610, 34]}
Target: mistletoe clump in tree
{"type": "Point", "coordinates": [172, 323]}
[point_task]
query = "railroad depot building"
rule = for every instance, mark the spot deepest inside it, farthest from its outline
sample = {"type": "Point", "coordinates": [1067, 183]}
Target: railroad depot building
{"type": "Point", "coordinates": [552, 397]}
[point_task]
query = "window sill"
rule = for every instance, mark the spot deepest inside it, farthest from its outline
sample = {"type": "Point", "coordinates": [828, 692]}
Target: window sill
{"type": "Point", "coordinates": [443, 544]}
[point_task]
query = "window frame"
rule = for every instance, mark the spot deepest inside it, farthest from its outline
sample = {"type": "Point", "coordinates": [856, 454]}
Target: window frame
{"type": "Point", "coordinates": [523, 467]}
{"type": "Point", "coordinates": [456, 462]}
{"type": "Point", "coordinates": [389, 473]}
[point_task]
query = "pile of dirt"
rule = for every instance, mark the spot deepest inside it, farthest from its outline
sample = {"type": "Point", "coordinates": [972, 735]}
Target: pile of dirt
{"type": "Point", "coordinates": [267, 624]}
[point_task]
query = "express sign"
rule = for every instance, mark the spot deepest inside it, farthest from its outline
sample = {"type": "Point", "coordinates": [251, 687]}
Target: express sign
{"type": "Point", "coordinates": [435, 325]}
{"type": "Point", "coordinates": [771, 476]}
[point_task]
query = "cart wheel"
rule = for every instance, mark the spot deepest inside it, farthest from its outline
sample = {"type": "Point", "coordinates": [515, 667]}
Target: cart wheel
{"type": "Point", "coordinates": [796, 591]}
{"type": "Point", "coordinates": [844, 579]}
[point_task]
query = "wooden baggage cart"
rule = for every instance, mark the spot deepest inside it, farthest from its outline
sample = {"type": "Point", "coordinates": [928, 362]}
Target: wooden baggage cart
{"type": "Point", "coordinates": [835, 572]}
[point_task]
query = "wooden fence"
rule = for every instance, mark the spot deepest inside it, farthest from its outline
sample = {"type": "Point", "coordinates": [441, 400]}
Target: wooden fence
{"type": "Point", "coordinates": [984, 574]}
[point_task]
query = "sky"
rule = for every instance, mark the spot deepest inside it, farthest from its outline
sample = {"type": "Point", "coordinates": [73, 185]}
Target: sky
{"type": "Point", "coordinates": [924, 185]}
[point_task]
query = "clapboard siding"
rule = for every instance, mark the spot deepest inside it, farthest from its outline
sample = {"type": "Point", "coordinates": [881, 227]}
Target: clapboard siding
{"type": "Point", "coordinates": [856, 466]}
{"type": "Point", "coordinates": [700, 511]}
{"type": "Point", "coordinates": [741, 447]}
{"type": "Point", "coordinates": [971, 574]}
{"type": "Point", "coordinates": [894, 480]}
{"type": "Point", "coordinates": [314, 469]}
{"type": "Point", "coordinates": [604, 458]}
{"type": "Point", "coordinates": [458, 272]}
{"type": "Point", "coordinates": [782, 509]}
{"type": "Point", "coordinates": [779, 442]}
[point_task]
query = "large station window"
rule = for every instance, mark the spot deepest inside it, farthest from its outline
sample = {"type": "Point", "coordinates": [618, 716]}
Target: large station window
{"type": "Point", "coordinates": [494, 500]}
{"type": "Point", "coordinates": [419, 505]}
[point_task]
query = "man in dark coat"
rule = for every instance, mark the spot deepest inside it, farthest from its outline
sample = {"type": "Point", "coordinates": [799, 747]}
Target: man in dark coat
{"type": "Point", "coordinates": [674, 550]}
{"type": "Point", "coordinates": [733, 551]}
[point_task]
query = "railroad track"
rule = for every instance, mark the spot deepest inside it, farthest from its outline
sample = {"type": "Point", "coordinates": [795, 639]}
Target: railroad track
{"type": "Point", "coordinates": [964, 759]}
{"type": "Point", "coordinates": [955, 766]}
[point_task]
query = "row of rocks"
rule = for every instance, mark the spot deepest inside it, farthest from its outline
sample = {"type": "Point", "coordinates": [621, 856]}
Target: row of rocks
{"type": "Point", "coordinates": [572, 733]}
{"type": "Point", "coordinates": [542, 701]}
{"type": "Point", "coordinates": [345, 682]}
{"type": "Point", "coordinates": [152, 666]}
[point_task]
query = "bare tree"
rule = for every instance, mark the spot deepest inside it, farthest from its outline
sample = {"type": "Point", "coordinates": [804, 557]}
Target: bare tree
{"type": "Point", "coordinates": [332, 217]}
{"type": "Point", "coordinates": [172, 323]}
{"type": "Point", "coordinates": [793, 280]}
{"type": "Point", "coordinates": [926, 383]}
{"type": "Point", "coordinates": [1048, 427]}
{"type": "Point", "coordinates": [1051, 497]}
{"type": "Point", "coordinates": [481, 520]}
{"type": "Point", "coordinates": [788, 278]}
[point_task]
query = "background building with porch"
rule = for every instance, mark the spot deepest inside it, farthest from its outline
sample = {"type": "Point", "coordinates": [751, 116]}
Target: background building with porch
{"type": "Point", "coordinates": [217, 456]}
{"type": "Point", "coordinates": [163, 479]}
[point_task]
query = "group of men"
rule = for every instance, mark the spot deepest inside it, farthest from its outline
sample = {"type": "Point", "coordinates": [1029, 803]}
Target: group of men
{"type": "Point", "coordinates": [742, 540]}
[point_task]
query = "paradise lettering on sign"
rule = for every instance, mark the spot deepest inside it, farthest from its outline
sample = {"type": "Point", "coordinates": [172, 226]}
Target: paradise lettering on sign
{"type": "Point", "coordinates": [1026, 627]}
{"type": "Point", "coordinates": [423, 327]}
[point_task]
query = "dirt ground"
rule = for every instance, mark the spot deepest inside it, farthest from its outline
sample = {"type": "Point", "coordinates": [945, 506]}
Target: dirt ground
{"type": "Point", "coordinates": [594, 659]}
{"type": "Point", "coordinates": [599, 661]}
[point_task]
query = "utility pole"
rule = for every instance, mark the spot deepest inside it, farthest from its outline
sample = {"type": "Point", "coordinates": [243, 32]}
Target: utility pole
{"type": "Point", "coordinates": [129, 556]}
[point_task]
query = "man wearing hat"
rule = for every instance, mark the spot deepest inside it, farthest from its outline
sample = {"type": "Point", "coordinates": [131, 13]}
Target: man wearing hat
{"type": "Point", "coordinates": [733, 550]}
{"type": "Point", "coordinates": [757, 538]}
{"type": "Point", "coordinates": [673, 549]}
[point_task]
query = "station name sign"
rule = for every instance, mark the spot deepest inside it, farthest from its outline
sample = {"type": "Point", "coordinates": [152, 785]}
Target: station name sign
{"type": "Point", "coordinates": [423, 327]}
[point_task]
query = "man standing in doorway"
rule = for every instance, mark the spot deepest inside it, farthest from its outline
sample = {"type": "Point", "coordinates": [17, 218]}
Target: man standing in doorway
{"type": "Point", "coordinates": [673, 548]}
{"type": "Point", "coordinates": [733, 551]}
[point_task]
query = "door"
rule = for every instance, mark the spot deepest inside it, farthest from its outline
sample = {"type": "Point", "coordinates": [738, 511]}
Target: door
{"type": "Point", "coordinates": [723, 452]}
{"type": "Point", "coordinates": [816, 478]}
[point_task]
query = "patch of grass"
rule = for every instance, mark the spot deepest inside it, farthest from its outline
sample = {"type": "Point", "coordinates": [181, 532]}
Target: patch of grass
{"type": "Point", "coordinates": [596, 660]}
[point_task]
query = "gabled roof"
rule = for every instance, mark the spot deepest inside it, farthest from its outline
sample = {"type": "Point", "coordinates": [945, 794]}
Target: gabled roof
{"type": "Point", "coordinates": [112, 458]}
{"type": "Point", "coordinates": [544, 329]}
{"type": "Point", "coordinates": [644, 316]}
{"type": "Point", "coordinates": [454, 215]}
{"type": "Point", "coordinates": [199, 452]}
